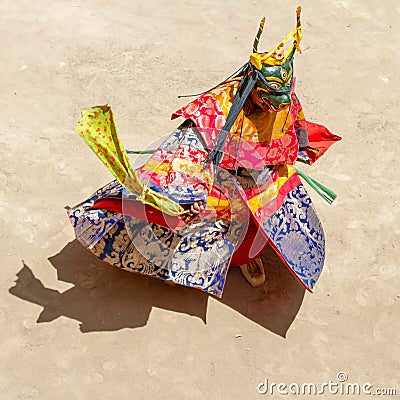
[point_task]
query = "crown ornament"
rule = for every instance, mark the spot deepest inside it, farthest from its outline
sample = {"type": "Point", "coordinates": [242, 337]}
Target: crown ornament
{"type": "Point", "coordinates": [277, 56]}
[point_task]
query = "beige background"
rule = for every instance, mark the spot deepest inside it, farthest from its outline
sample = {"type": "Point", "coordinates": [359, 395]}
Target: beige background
{"type": "Point", "coordinates": [71, 328]}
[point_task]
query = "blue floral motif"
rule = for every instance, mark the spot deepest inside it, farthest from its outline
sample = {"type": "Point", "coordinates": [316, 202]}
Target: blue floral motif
{"type": "Point", "coordinates": [297, 233]}
{"type": "Point", "coordinates": [197, 256]}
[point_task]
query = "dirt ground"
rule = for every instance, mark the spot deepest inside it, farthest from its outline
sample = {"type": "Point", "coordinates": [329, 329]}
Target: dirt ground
{"type": "Point", "coordinates": [72, 328]}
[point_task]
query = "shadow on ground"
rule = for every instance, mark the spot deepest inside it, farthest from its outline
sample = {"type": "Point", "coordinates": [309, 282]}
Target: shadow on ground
{"type": "Point", "coordinates": [105, 298]}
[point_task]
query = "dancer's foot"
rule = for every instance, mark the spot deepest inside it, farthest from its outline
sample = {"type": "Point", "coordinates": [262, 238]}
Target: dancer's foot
{"type": "Point", "coordinates": [254, 272]}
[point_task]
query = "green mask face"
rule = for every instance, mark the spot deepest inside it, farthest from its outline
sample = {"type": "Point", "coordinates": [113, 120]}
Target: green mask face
{"type": "Point", "coordinates": [276, 83]}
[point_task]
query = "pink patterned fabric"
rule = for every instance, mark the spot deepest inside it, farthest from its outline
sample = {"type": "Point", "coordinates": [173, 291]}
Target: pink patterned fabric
{"type": "Point", "coordinates": [209, 113]}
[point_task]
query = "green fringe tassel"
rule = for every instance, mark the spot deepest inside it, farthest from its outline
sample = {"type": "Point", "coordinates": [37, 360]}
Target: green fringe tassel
{"type": "Point", "coordinates": [327, 194]}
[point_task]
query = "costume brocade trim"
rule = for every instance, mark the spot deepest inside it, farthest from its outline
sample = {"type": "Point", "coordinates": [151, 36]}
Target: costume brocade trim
{"type": "Point", "coordinates": [199, 255]}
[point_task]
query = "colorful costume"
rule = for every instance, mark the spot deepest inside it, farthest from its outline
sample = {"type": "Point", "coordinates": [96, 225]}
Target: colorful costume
{"type": "Point", "coordinates": [235, 157]}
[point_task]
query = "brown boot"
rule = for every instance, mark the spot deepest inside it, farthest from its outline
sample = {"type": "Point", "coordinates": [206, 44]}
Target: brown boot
{"type": "Point", "coordinates": [170, 283]}
{"type": "Point", "coordinates": [254, 272]}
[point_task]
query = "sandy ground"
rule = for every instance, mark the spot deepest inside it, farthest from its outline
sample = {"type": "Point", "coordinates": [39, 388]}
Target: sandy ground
{"type": "Point", "coordinates": [71, 328]}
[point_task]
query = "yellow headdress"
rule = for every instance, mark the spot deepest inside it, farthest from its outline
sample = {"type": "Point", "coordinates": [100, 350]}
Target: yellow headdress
{"type": "Point", "coordinates": [276, 55]}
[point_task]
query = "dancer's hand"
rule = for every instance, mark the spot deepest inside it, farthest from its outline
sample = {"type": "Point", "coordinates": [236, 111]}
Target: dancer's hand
{"type": "Point", "coordinates": [194, 210]}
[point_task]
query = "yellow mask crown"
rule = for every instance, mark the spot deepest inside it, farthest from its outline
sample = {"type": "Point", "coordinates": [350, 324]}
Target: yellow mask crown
{"type": "Point", "coordinates": [277, 56]}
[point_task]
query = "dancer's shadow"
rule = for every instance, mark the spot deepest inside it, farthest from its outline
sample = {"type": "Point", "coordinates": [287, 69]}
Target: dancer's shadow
{"type": "Point", "coordinates": [105, 298]}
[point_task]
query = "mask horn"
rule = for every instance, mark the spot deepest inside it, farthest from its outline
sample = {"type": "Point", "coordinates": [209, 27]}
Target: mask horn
{"type": "Point", "coordinates": [298, 12]}
{"type": "Point", "coordinates": [257, 38]}
{"type": "Point", "coordinates": [298, 34]}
